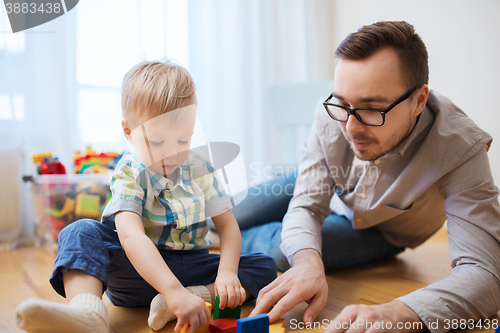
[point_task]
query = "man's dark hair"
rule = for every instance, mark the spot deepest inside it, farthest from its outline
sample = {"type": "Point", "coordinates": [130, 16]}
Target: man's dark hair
{"type": "Point", "coordinates": [401, 37]}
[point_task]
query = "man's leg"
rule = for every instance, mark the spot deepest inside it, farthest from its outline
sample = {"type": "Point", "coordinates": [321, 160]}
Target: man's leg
{"type": "Point", "coordinates": [342, 246]}
{"type": "Point", "coordinates": [265, 238]}
{"type": "Point", "coordinates": [266, 202]}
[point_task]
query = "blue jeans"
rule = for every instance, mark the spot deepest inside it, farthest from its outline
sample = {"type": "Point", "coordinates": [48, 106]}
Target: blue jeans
{"type": "Point", "coordinates": [262, 211]}
{"type": "Point", "coordinates": [94, 248]}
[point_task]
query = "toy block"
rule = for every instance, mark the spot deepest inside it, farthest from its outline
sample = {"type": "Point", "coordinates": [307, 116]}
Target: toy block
{"type": "Point", "coordinates": [223, 325]}
{"type": "Point", "coordinates": [87, 205]}
{"type": "Point", "coordinates": [497, 330]}
{"type": "Point", "coordinates": [201, 329]}
{"type": "Point", "coordinates": [38, 158]}
{"type": "Point", "coordinates": [68, 207]}
{"type": "Point", "coordinates": [278, 323]}
{"type": "Point", "coordinates": [226, 312]}
{"type": "Point", "coordinates": [278, 326]}
{"type": "Point", "coordinates": [276, 329]}
{"type": "Point", "coordinates": [254, 324]}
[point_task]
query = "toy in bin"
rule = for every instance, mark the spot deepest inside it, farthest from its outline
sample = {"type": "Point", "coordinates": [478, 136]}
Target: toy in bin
{"type": "Point", "coordinates": [92, 162]}
{"type": "Point", "coordinates": [59, 200]}
{"type": "Point", "coordinates": [48, 165]}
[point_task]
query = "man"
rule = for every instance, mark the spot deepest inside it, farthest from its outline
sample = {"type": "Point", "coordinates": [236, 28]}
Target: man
{"type": "Point", "coordinates": [386, 163]}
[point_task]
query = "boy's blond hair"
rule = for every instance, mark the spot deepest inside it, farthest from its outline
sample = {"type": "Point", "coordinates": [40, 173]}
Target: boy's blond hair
{"type": "Point", "coordinates": [152, 88]}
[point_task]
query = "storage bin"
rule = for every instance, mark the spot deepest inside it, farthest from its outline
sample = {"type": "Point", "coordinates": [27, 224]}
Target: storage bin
{"type": "Point", "coordinates": [58, 200]}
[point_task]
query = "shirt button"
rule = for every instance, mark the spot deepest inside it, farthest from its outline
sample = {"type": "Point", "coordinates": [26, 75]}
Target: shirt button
{"type": "Point", "coordinates": [363, 196]}
{"type": "Point", "coordinates": [377, 162]}
{"type": "Point", "coordinates": [179, 216]}
{"type": "Point", "coordinates": [359, 219]}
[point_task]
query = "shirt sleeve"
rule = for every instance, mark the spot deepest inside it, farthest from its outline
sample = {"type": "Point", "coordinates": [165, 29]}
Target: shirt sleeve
{"type": "Point", "coordinates": [472, 291]}
{"type": "Point", "coordinates": [309, 206]}
{"type": "Point", "coordinates": [127, 192]}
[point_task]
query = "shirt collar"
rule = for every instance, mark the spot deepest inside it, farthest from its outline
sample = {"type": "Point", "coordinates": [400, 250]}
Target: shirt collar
{"type": "Point", "coordinates": [180, 177]}
{"type": "Point", "coordinates": [419, 132]}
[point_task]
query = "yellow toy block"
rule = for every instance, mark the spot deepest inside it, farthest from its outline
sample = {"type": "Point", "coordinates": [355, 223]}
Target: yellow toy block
{"type": "Point", "coordinates": [87, 205]}
{"type": "Point", "coordinates": [202, 329]}
{"type": "Point", "coordinates": [38, 158]}
{"type": "Point", "coordinates": [278, 326]}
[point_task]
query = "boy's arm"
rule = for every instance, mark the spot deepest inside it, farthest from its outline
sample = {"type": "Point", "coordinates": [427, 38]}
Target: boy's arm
{"type": "Point", "coordinates": [148, 262]}
{"type": "Point", "coordinates": [227, 284]}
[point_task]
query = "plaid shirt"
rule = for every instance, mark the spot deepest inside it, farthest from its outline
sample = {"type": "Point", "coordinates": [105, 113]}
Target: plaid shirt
{"type": "Point", "coordinates": [173, 211]}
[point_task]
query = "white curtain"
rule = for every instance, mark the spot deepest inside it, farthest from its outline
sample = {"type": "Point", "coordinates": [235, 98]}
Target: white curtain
{"type": "Point", "coordinates": [37, 98]}
{"type": "Point", "coordinates": [237, 50]}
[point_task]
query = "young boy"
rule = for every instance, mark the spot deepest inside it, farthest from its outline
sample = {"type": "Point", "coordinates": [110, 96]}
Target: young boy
{"type": "Point", "coordinates": [161, 196]}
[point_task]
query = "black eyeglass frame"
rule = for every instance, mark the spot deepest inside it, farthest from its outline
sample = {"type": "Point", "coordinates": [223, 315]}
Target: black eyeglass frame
{"type": "Point", "coordinates": [383, 112]}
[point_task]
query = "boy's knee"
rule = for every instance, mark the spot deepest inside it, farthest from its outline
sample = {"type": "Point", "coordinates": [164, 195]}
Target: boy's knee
{"type": "Point", "coordinates": [79, 226]}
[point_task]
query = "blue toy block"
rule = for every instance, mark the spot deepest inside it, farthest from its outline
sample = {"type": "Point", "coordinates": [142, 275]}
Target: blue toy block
{"type": "Point", "coordinates": [254, 324]}
{"type": "Point", "coordinates": [497, 330]}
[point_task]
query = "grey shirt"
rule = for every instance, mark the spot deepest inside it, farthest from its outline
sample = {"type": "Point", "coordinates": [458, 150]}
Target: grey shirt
{"type": "Point", "coordinates": [441, 171]}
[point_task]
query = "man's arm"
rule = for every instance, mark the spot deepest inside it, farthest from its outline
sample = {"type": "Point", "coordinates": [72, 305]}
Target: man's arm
{"type": "Point", "coordinates": [148, 262]}
{"type": "Point", "coordinates": [472, 291]}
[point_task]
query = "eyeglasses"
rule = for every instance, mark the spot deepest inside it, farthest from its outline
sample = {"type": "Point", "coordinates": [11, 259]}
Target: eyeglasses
{"type": "Point", "coordinates": [367, 116]}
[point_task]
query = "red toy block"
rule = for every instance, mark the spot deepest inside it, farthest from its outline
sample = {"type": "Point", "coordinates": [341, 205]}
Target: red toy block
{"type": "Point", "coordinates": [223, 325]}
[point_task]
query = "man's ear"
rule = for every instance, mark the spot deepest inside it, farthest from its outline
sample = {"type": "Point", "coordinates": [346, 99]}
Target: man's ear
{"type": "Point", "coordinates": [127, 130]}
{"type": "Point", "coordinates": [422, 96]}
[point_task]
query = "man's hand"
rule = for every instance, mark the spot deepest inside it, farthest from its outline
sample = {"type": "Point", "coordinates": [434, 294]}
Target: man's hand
{"type": "Point", "coordinates": [229, 289]}
{"type": "Point", "coordinates": [305, 281]}
{"type": "Point", "coordinates": [388, 317]}
{"type": "Point", "coordinates": [187, 307]}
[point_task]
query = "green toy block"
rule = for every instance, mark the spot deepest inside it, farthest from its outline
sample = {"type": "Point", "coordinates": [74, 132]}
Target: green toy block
{"type": "Point", "coordinates": [226, 312]}
{"type": "Point", "coordinates": [87, 205]}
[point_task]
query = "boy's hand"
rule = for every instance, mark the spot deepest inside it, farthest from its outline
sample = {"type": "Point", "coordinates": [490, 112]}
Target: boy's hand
{"type": "Point", "coordinates": [187, 307]}
{"type": "Point", "coordinates": [229, 289]}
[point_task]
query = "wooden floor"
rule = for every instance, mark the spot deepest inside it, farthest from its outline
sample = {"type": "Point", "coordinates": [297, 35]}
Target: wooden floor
{"type": "Point", "coordinates": [24, 274]}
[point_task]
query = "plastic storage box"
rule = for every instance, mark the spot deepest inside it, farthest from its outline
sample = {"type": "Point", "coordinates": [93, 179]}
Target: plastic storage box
{"type": "Point", "coordinates": [58, 200]}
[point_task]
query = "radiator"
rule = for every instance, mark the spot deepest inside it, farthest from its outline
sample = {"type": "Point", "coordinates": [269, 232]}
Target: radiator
{"type": "Point", "coordinates": [10, 194]}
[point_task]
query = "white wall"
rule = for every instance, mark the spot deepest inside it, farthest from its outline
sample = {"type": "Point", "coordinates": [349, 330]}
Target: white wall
{"type": "Point", "coordinates": [462, 38]}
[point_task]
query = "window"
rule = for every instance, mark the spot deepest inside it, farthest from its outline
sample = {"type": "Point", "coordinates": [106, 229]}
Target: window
{"type": "Point", "coordinates": [137, 31]}
{"type": "Point", "coordinates": [11, 51]}
{"type": "Point", "coordinates": [9, 41]}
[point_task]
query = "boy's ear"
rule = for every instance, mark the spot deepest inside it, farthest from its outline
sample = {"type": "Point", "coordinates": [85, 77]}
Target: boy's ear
{"type": "Point", "coordinates": [127, 130]}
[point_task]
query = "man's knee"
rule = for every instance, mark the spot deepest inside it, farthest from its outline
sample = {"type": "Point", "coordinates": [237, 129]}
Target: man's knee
{"type": "Point", "coordinates": [280, 259]}
{"type": "Point", "coordinates": [263, 264]}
